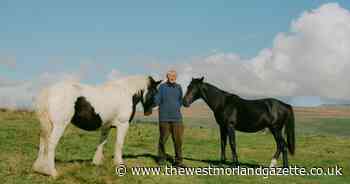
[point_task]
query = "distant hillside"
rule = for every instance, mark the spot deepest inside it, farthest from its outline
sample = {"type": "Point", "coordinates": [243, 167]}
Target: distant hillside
{"type": "Point", "coordinates": [200, 113]}
{"type": "Point", "coordinates": [335, 105]}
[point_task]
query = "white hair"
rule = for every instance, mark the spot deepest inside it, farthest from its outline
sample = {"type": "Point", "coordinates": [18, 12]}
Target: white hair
{"type": "Point", "coordinates": [171, 72]}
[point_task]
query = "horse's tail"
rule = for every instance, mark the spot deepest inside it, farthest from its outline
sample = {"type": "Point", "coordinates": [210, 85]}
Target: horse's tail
{"type": "Point", "coordinates": [290, 131]}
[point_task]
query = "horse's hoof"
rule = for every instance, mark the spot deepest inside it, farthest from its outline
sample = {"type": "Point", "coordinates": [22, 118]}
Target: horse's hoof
{"type": "Point", "coordinates": [44, 169]}
{"type": "Point", "coordinates": [54, 174]}
{"type": "Point", "coordinates": [98, 158]}
{"type": "Point", "coordinates": [273, 163]}
{"type": "Point", "coordinates": [97, 161]}
{"type": "Point", "coordinates": [223, 161]}
{"type": "Point", "coordinates": [119, 165]}
{"type": "Point", "coordinates": [235, 164]}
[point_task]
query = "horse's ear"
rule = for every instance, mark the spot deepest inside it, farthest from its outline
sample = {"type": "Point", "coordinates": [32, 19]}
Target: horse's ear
{"type": "Point", "coordinates": [201, 79]}
{"type": "Point", "coordinates": [152, 80]}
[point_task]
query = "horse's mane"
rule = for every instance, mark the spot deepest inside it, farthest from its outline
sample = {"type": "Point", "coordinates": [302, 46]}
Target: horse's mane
{"type": "Point", "coordinates": [220, 90]}
{"type": "Point", "coordinates": [131, 83]}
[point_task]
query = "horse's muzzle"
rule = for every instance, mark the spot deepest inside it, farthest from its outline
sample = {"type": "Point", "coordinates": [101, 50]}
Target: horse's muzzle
{"type": "Point", "coordinates": [147, 113]}
{"type": "Point", "coordinates": [185, 102]}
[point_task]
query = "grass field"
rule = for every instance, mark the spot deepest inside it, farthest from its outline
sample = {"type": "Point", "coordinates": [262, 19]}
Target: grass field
{"type": "Point", "coordinates": [321, 142]}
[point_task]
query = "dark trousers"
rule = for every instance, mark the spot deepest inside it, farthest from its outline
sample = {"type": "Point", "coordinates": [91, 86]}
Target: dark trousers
{"type": "Point", "coordinates": [176, 129]}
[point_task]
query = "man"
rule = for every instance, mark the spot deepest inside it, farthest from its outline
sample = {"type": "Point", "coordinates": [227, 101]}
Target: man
{"type": "Point", "coordinates": [169, 100]}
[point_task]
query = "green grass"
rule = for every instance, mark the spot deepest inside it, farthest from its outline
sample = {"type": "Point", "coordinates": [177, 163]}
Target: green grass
{"type": "Point", "coordinates": [326, 144]}
{"type": "Point", "coordinates": [325, 126]}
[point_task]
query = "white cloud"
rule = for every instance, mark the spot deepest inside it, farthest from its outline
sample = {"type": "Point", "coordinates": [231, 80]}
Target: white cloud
{"type": "Point", "coordinates": [313, 59]}
{"type": "Point", "coordinates": [114, 74]}
{"type": "Point", "coordinates": [20, 94]}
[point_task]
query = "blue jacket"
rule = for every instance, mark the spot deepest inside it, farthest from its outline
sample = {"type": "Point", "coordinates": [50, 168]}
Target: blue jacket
{"type": "Point", "coordinates": [169, 100]}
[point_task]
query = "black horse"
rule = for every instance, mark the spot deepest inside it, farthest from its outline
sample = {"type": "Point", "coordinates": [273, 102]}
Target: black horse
{"type": "Point", "coordinates": [234, 113]}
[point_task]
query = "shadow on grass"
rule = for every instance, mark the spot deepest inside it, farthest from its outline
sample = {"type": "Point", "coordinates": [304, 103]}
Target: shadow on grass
{"type": "Point", "coordinates": [220, 163]}
{"type": "Point", "coordinates": [82, 161]}
{"type": "Point", "coordinates": [169, 158]}
{"type": "Point", "coordinates": [211, 162]}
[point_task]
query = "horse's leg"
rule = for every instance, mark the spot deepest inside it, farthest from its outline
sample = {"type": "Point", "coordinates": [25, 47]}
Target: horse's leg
{"type": "Point", "coordinates": [55, 136]}
{"type": "Point", "coordinates": [232, 139]}
{"type": "Point", "coordinates": [41, 153]}
{"type": "Point", "coordinates": [122, 129]}
{"type": "Point", "coordinates": [284, 152]}
{"type": "Point", "coordinates": [98, 158]}
{"type": "Point", "coordinates": [45, 131]}
{"type": "Point", "coordinates": [223, 135]}
{"type": "Point", "coordinates": [50, 134]}
{"type": "Point", "coordinates": [283, 147]}
{"type": "Point", "coordinates": [278, 147]}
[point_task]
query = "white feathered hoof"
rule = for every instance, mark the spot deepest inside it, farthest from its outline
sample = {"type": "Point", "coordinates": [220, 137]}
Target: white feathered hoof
{"type": "Point", "coordinates": [41, 168]}
{"type": "Point", "coordinates": [97, 161]}
{"type": "Point", "coordinates": [273, 163]}
{"type": "Point", "coordinates": [120, 164]}
{"type": "Point", "coordinates": [98, 158]}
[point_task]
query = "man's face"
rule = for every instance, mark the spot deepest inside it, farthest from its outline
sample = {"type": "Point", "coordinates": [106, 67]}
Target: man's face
{"type": "Point", "coordinates": [171, 77]}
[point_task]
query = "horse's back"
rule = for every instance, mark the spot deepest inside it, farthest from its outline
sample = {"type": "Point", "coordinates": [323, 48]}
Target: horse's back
{"type": "Point", "coordinates": [58, 100]}
{"type": "Point", "coordinates": [254, 115]}
{"type": "Point", "coordinates": [65, 101]}
{"type": "Point", "coordinates": [269, 104]}
{"type": "Point", "coordinates": [274, 107]}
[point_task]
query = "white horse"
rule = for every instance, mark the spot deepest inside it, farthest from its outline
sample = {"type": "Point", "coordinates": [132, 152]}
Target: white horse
{"type": "Point", "coordinates": [90, 108]}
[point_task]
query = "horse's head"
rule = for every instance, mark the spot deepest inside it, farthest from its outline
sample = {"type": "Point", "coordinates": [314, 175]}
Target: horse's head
{"type": "Point", "coordinates": [193, 91]}
{"type": "Point", "coordinates": [148, 98]}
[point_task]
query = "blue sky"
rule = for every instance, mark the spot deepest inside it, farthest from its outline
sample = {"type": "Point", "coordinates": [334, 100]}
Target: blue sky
{"type": "Point", "coordinates": [115, 32]}
{"type": "Point", "coordinates": [55, 36]}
